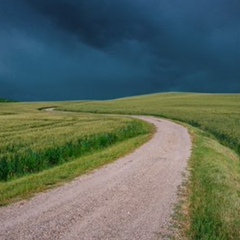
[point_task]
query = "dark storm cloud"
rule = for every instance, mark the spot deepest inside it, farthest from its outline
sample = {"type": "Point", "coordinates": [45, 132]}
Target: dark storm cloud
{"type": "Point", "coordinates": [70, 49]}
{"type": "Point", "coordinates": [97, 23]}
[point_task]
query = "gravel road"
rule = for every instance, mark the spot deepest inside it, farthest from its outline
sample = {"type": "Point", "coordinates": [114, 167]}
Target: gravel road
{"type": "Point", "coordinates": [130, 199]}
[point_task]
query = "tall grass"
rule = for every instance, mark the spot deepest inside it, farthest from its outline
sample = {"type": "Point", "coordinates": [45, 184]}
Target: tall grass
{"type": "Point", "coordinates": [26, 186]}
{"type": "Point", "coordinates": [214, 198]}
{"type": "Point", "coordinates": [32, 142]}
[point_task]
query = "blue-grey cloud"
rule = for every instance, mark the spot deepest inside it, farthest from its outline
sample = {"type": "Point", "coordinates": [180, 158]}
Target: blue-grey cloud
{"type": "Point", "coordinates": [89, 49]}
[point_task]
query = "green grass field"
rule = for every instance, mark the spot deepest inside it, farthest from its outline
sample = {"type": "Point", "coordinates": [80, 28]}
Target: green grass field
{"type": "Point", "coordinates": [34, 143]}
{"type": "Point", "coordinates": [40, 150]}
{"type": "Point", "coordinates": [211, 205]}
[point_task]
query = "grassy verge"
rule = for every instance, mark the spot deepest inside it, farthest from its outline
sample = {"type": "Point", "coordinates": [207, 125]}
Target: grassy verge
{"type": "Point", "coordinates": [211, 200]}
{"type": "Point", "coordinates": [25, 187]}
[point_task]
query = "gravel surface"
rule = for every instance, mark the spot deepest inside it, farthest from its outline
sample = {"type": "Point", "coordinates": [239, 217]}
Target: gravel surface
{"type": "Point", "coordinates": [130, 199]}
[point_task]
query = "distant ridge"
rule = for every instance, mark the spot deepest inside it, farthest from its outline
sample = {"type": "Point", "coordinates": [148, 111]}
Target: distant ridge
{"type": "Point", "coordinates": [4, 100]}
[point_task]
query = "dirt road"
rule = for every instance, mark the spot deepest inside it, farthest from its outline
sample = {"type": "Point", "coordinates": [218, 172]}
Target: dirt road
{"type": "Point", "coordinates": [130, 199]}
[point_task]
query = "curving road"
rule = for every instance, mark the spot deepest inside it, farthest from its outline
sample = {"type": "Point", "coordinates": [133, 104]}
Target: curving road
{"type": "Point", "coordinates": [130, 199]}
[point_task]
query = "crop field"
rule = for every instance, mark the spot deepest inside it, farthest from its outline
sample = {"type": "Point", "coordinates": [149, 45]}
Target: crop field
{"type": "Point", "coordinates": [211, 205]}
{"type": "Point", "coordinates": [33, 141]}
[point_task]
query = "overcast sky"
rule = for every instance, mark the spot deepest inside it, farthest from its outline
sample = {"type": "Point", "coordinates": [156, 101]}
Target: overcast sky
{"type": "Point", "coordinates": [103, 49]}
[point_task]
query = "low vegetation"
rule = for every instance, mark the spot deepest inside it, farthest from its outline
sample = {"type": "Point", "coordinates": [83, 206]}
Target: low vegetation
{"type": "Point", "coordinates": [212, 202]}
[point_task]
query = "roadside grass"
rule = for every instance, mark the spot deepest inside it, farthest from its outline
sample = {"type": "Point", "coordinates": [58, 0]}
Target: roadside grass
{"type": "Point", "coordinates": [25, 187]}
{"type": "Point", "coordinates": [210, 198]}
{"type": "Point", "coordinates": [210, 204]}
{"type": "Point", "coordinates": [215, 191]}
